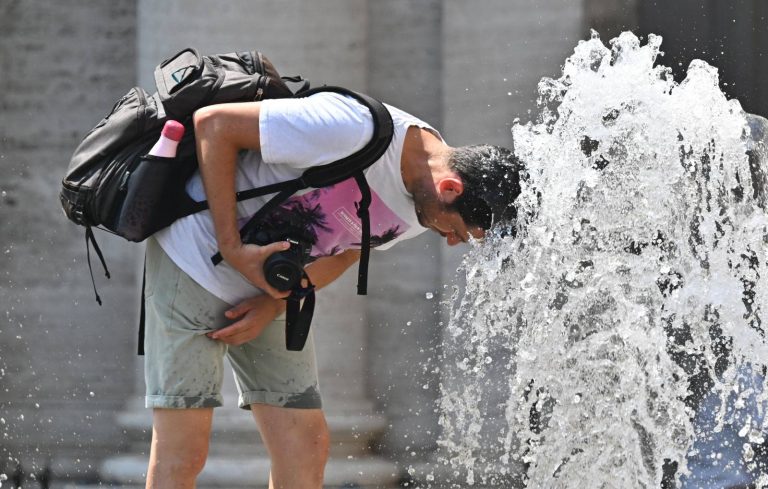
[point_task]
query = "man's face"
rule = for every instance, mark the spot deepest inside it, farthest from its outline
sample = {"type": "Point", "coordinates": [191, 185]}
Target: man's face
{"type": "Point", "coordinates": [435, 215]}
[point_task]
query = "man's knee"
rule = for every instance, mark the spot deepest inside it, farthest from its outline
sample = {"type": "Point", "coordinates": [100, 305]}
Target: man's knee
{"type": "Point", "coordinates": [309, 447]}
{"type": "Point", "coordinates": [321, 438]}
{"type": "Point", "coordinates": [313, 440]}
{"type": "Point", "coordinates": [180, 441]}
{"type": "Point", "coordinates": [293, 435]}
{"type": "Point", "coordinates": [179, 464]}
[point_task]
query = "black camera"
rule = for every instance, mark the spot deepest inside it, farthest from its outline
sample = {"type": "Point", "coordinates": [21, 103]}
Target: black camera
{"type": "Point", "coordinates": [283, 270]}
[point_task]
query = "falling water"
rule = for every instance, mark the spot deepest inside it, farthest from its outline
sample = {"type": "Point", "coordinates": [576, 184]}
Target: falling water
{"type": "Point", "coordinates": [634, 286]}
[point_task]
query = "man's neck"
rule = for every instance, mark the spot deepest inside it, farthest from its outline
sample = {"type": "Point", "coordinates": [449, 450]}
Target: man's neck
{"type": "Point", "coordinates": [424, 156]}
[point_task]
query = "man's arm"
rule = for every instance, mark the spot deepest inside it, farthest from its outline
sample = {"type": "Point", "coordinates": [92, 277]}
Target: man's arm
{"type": "Point", "coordinates": [327, 269]}
{"type": "Point", "coordinates": [256, 313]}
{"type": "Point", "coordinates": [221, 131]}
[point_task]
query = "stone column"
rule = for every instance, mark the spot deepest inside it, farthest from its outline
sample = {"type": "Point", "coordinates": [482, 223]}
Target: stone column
{"type": "Point", "coordinates": [611, 17]}
{"type": "Point", "coordinates": [65, 362]}
{"type": "Point", "coordinates": [326, 43]}
{"type": "Point", "coordinates": [494, 53]}
{"type": "Point", "coordinates": [405, 65]}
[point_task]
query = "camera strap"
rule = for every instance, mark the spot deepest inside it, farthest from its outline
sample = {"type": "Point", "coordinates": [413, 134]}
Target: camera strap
{"type": "Point", "coordinates": [365, 221]}
{"type": "Point", "coordinates": [298, 315]}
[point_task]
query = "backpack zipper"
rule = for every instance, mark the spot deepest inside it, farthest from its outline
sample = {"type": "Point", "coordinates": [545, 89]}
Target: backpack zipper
{"type": "Point", "coordinates": [259, 90]}
{"type": "Point", "coordinates": [261, 82]}
{"type": "Point", "coordinates": [259, 63]}
{"type": "Point", "coordinates": [143, 109]}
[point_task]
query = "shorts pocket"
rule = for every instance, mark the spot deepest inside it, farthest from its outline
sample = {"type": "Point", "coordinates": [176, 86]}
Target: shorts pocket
{"type": "Point", "coordinates": [196, 309]}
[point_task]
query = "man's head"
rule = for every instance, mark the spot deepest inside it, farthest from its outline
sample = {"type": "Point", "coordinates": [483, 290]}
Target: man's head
{"type": "Point", "coordinates": [471, 189]}
{"type": "Point", "coordinates": [491, 183]}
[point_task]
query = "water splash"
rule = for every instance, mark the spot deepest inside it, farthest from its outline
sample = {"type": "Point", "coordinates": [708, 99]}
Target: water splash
{"type": "Point", "coordinates": [635, 284]}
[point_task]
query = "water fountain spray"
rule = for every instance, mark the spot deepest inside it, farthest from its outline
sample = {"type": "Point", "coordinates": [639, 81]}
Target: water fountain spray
{"type": "Point", "coordinates": [634, 286]}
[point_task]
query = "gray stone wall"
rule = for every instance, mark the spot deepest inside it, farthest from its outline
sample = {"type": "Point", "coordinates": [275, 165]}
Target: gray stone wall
{"type": "Point", "coordinates": [495, 52]}
{"type": "Point", "coordinates": [405, 59]}
{"type": "Point", "coordinates": [65, 363]}
{"type": "Point", "coordinates": [323, 41]}
{"type": "Point", "coordinates": [611, 17]}
{"type": "Point", "coordinates": [469, 68]}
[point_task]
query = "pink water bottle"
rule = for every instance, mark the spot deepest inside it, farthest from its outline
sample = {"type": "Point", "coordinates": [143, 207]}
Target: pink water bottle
{"type": "Point", "coordinates": [166, 146]}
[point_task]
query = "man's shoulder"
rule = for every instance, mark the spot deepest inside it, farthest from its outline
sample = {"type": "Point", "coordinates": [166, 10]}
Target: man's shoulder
{"type": "Point", "coordinates": [407, 120]}
{"type": "Point", "coordinates": [329, 100]}
{"type": "Point", "coordinates": [346, 104]}
{"type": "Point", "coordinates": [313, 130]}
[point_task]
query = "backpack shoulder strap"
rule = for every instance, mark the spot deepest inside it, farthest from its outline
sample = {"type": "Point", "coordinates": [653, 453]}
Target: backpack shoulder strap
{"type": "Point", "coordinates": [337, 171]}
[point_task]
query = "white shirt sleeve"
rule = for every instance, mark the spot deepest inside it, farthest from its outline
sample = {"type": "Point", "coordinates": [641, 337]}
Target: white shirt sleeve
{"type": "Point", "coordinates": [315, 130]}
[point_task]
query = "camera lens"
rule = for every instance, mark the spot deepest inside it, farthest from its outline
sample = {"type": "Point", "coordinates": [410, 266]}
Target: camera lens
{"type": "Point", "coordinates": [282, 272]}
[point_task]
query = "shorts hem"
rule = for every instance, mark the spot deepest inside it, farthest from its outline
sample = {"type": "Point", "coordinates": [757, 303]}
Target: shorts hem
{"type": "Point", "coordinates": [183, 402]}
{"type": "Point", "coordinates": [309, 399]}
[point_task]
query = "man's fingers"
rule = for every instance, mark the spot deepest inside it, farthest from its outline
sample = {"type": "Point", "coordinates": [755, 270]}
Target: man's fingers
{"type": "Point", "coordinates": [275, 247]}
{"type": "Point", "coordinates": [234, 334]}
{"type": "Point", "coordinates": [228, 331]}
{"type": "Point", "coordinates": [242, 307]}
{"type": "Point", "coordinates": [239, 309]}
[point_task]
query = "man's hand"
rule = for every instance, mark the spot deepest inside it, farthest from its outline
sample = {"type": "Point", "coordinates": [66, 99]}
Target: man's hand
{"type": "Point", "coordinates": [257, 312]}
{"type": "Point", "coordinates": [254, 314]}
{"type": "Point", "coordinates": [248, 259]}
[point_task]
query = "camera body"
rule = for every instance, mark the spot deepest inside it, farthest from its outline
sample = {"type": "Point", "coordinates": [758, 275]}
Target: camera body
{"type": "Point", "coordinates": [283, 270]}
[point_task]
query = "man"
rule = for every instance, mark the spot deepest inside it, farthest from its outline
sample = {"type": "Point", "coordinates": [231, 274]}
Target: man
{"type": "Point", "coordinates": [197, 312]}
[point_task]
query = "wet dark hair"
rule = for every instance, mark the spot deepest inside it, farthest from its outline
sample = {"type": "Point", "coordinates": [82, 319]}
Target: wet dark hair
{"type": "Point", "coordinates": [491, 178]}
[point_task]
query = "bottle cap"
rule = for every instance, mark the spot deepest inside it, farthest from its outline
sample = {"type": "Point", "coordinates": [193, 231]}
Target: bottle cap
{"type": "Point", "coordinates": [173, 130]}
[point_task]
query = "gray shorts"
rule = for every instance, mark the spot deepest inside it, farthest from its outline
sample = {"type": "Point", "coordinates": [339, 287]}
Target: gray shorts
{"type": "Point", "coordinates": [184, 368]}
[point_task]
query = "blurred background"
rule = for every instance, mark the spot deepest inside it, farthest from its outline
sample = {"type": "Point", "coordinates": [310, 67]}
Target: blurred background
{"type": "Point", "coordinates": [71, 407]}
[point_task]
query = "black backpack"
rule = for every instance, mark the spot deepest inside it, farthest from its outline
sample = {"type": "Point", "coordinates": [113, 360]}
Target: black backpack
{"type": "Point", "coordinates": [112, 183]}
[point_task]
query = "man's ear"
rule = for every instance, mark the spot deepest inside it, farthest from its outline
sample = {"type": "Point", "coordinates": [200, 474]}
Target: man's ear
{"type": "Point", "coordinates": [449, 188]}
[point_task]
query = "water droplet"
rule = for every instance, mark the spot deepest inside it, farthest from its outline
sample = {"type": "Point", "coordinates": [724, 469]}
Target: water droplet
{"type": "Point", "coordinates": [744, 430]}
{"type": "Point", "coordinates": [749, 453]}
{"type": "Point", "coordinates": [429, 295]}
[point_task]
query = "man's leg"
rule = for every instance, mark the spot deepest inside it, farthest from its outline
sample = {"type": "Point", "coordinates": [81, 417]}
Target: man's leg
{"type": "Point", "coordinates": [179, 447]}
{"type": "Point", "coordinates": [297, 441]}
{"type": "Point", "coordinates": [183, 370]}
